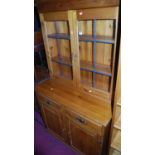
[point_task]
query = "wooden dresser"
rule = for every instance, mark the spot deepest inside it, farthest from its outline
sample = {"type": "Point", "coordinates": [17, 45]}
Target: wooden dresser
{"type": "Point", "coordinates": [80, 40]}
{"type": "Point", "coordinates": [80, 121]}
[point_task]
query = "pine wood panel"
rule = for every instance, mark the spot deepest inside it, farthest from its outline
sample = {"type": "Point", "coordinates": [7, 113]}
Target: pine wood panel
{"type": "Point", "coordinates": [57, 5]}
{"type": "Point", "coordinates": [62, 15]}
{"type": "Point", "coordinates": [84, 141]}
{"type": "Point", "coordinates": [85, 27]}
{"type": "Point", "coordinates": [53, 120]}
{"type": "Point", "coordinates": [98, 13]}
{"type": "Point", "coordinates": [103, 53]}
{"type": "Point", "coordinates": [86, 51]}
{"type": "Point", "coordinates": [102, 82]}
{"type": "Point", "coordinates": [64, 45]}
{"type": "Point", "coordinates": [86, 78]}
{"type": "Point", "coordinates": [62, 71]}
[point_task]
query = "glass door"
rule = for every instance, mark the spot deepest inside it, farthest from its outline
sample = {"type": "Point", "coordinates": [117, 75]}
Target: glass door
{"type": "Point", "coordinates": [97, 35]}
{"type": "Point", "coordinates": [60, 51]}
{"type": "Point", "coordinates": [58, 47]}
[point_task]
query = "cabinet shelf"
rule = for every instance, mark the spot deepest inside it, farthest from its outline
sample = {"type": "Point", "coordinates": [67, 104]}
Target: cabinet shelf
{"type": "Point", "coordinates": [116, 141]}
{"type": "Point", "coordinates": [84, 38]}
{"type": "Point", "coordinates": [100, 69]}
{"type": "Point", "coordinates": [59, 36]}
{"type": "Point", "coordinates": [63, 61]}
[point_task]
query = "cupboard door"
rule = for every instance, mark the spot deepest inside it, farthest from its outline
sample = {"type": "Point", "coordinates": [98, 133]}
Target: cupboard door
{"type": "Point", "coordinates": [84, 141]}
{"type": "Point", "coordinates": [97, 31]}
{"type": "Point", "coordinates": [56, 34]}
{"type": "Point", "coordinates": [53, 120]}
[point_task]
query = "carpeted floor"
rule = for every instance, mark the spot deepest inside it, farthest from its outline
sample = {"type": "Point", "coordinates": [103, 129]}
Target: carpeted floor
{"type": "Point", "coordinates": [47, 144]}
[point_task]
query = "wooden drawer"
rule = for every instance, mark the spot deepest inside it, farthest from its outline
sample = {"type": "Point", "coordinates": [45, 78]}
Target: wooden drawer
{"type": "Point", "coordinates": [85, 123]}
{"type": "Point", "coordinates": [47, 102]}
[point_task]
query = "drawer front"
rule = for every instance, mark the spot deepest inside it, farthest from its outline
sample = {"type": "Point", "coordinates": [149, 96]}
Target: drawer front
{"type": "Point", "coordinates": [85, 123]}
{"type": "Point", "coordinates": [47, 102]}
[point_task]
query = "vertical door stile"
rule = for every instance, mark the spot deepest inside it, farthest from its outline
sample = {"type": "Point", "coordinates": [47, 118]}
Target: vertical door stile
{"type": "Point", "coordinates": [114, 50]}
{"type": "Point", "coordinates": [94, 53]}
{"type": "Point", "coordinates": [45, 39]}
{"type": "Point", "coordinates": [73, 28]}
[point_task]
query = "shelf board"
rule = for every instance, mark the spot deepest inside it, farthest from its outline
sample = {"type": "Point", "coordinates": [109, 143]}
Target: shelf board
{"type": "Point", "coordinates": [100, 69]}
{"type": "Point", "coordinates": [116, 140]}
{"type": "Point", "coordinates": [117, 123]}
{"type": "Point", "coordinates": [63, 61]}
{"type": "Point", "coordinates": [99, 39]}
{"type": "Point", "coordinates": [59, 36]}
{"type": "Point", "coordinates": [85, 38]}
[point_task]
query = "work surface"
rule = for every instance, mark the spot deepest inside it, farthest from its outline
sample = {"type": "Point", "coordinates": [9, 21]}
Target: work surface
{"type": "Point", "coordinates": [89, 107]}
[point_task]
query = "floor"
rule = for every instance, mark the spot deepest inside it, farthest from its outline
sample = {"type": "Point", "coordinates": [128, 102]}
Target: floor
{"type": "Point", "coordinates": [47, 144]}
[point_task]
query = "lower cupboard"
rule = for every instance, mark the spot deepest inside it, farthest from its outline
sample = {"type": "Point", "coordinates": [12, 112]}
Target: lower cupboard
{"type": "Point", "coordinates": [82, 134]}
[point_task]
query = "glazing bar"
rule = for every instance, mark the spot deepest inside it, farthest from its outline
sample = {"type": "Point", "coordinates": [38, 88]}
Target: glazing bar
{"type": "Point", "coordinates": [98, 41]}
{"type": "Point", "coordinates": [94, 52]}
{"type": "Point", "coordinates": [101, 73]}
